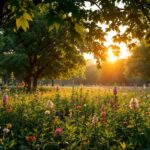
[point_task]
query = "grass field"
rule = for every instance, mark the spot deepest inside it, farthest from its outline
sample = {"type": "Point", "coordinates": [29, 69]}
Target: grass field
{"type": "Point", "coordinates": [78, 118]}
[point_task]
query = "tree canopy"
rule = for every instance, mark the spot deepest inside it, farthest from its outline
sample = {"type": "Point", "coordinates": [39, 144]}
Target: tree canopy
{"type": "Point", "coordinates": [38, 53]}
{"type": "Point", "coordinates": [84, 17]}
{"type": "Point", "coordinates": [139, 62]}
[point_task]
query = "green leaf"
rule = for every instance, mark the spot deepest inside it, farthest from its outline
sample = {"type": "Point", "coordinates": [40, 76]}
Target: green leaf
{"type": "Point", "coordinates": [79, 28]}
{"type": "Point", "coordinates": [55, 25]}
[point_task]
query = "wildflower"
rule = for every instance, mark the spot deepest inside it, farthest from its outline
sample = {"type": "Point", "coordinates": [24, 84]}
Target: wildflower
{"type": "Point", "coordinates": [9, 109]}
{"type": "Point", "coordinates": [148, 111]}
{"type": "Point", "coordinates": [56, 121]}
{"type": "Point", "coordinates": [115, 91]}
{"type": "Point", "coordinates": [103, 108]}
{"type": "Point", "coordinates": [6, 130]}
{"type": "Point", "coordinates": [144, 86]}
{"type": "Point", "coordinates": [134, 103]}
{"type": "Point", "coordinates": [103, 113]}
{"type": "Point", "coordinates": [9, 125]}
{"type": "Point", "coordinates": [5, 99]}
{"type": "Point", "coordinates": [49, 104]}
{"type": "Point", "coordinates": [111, 102]}
{"type": "Point", "coordinates": [85, 105]}
{"type": "Point", "coordinates": [47, 112]}
{"type": "Point", "coordinates": [78, 107]}
{"type": "Point", "coordinates": [57, 88]}
{"type": "Point", "coordinates": [37, 95]}
{"type": "Point", "coordinates": [58, 131]}
{"type": "Point", "coordinates": [103, 116]}
{"type": "Point", "coordinates": [148, 96]}
{"type": "Point", "coordinates": [31, 138]}
{"type": "Point", "coordinates": [94, 120]}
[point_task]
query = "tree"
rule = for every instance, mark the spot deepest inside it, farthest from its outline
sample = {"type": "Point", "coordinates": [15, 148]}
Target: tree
{"type": "Point", "coordinates": [38, 53]}
{"type": "Point", "coordinates": [139, 61]}
{"type": "Point", "coordinates": [134, 15]}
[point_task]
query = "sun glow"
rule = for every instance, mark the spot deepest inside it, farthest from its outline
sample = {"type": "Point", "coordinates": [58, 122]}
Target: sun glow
{"type": "Point", "coordinates": [124, 53]}
{"type": "Point", "coordinates": [111, 56]}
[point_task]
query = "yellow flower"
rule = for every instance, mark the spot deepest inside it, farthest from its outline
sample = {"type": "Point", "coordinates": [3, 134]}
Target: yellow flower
{"type": "Point", "coordinates": [9, 125]}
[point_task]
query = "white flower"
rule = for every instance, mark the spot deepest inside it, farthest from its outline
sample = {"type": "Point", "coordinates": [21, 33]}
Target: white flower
{"type": "Point", "coordinates": [6, 130]}
{"type": "Point", "coordinates": [94, 120]}
{"type": "Point", "coordinates": [47, 112]}
{"type": "Point", "coordinates": [134, 103]}
{"type": "Point", "coordinates": [49, 104]}
{"type": "Point", "coordinates": [148, 96]}
{"type": "Point", "coordinates": [84, 105]}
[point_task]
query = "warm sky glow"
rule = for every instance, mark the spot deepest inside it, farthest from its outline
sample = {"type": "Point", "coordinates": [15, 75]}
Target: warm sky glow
{"type": "Point", "coordinates": [124, 53]}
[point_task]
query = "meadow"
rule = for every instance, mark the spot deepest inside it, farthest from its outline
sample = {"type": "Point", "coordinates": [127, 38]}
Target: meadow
{"type": "Point", "coordinates": [75, 118]}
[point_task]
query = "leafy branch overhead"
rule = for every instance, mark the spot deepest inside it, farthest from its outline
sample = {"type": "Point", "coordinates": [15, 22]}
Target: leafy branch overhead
{"type": "Point", "coordinates": [134, 15]}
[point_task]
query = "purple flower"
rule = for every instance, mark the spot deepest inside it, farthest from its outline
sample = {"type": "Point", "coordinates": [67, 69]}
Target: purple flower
{"type": "Point", "coordinates": [115, 91]}
{"type": "Point", "coordinates": [5, 99]}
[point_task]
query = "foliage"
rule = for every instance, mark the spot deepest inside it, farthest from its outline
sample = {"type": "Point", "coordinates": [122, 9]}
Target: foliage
{"type": "Point", "coordinates": [38, 53]}
{"type": "Point", "coordinates": [78, 118]}
{"type": "Point", "coordinates": [84, 19]}
{"type": "Point", "coordinates": [139, 62]}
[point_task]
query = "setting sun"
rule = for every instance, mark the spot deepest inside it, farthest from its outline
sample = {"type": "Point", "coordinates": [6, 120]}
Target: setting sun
{"type": "Point", "coordinates": [111, 56]}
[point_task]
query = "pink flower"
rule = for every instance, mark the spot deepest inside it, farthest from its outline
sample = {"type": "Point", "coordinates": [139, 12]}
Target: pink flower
{"type": "Point", "coordinates": [103, 108]}
{"type": "Point", "coordinates": [134, 103]}
{"type": "Point", "coordinates": [58, 131]}
{"type": "Point", "coordinates": [103, 113]}
{"type": "Point", "coordinates": [111, 102]}
{"type": "Point", "coordinates": [115, 91]}
{"type": "Point", "coordinates": [5, 99]}
{"type": "Point", "coordinates": [103, 116]}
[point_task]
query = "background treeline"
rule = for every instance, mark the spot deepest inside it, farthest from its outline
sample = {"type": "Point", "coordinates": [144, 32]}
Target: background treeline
{"type": "Point", "coordinates": [110, 73]}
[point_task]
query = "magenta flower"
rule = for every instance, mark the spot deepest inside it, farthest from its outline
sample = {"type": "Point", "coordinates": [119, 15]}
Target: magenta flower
{"type": "Point", "coordinates": [5, 99]}
{"type": "Point", "coordinates": [58, 131]}
{"type": "Point", "coordinates": [115, 90]}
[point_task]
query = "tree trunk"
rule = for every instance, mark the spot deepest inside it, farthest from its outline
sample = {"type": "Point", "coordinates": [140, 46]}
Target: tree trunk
{"type": "Point", "coordinates": [28, 84]}
{"type": "Point", "coordinates": [52, 82]}
{"type": "Point", "coordinates": [35, 83]}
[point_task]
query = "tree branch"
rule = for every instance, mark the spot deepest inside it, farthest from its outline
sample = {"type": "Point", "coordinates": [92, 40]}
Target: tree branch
{"type": "Point", "coordinates": [143, 9]}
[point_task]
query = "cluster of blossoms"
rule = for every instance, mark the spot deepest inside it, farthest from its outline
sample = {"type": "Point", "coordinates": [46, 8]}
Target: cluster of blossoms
{"type": "Point", "coordinates": [5, 99]}
{"type": "Point", "coordinates": [31, 138]}
{"type": "Point", "coordinates": [49, 107]}
{"type": "Point", "coordinates": [134, 103]}
{"type": "Point", "coordinates": [103, 113]}
{"type": "Point", "coordinates": [115, 91]}
{"type": "Point", "coordinates": [7, 128]}
{"type": "Point", "coordinates": [94, 120]}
